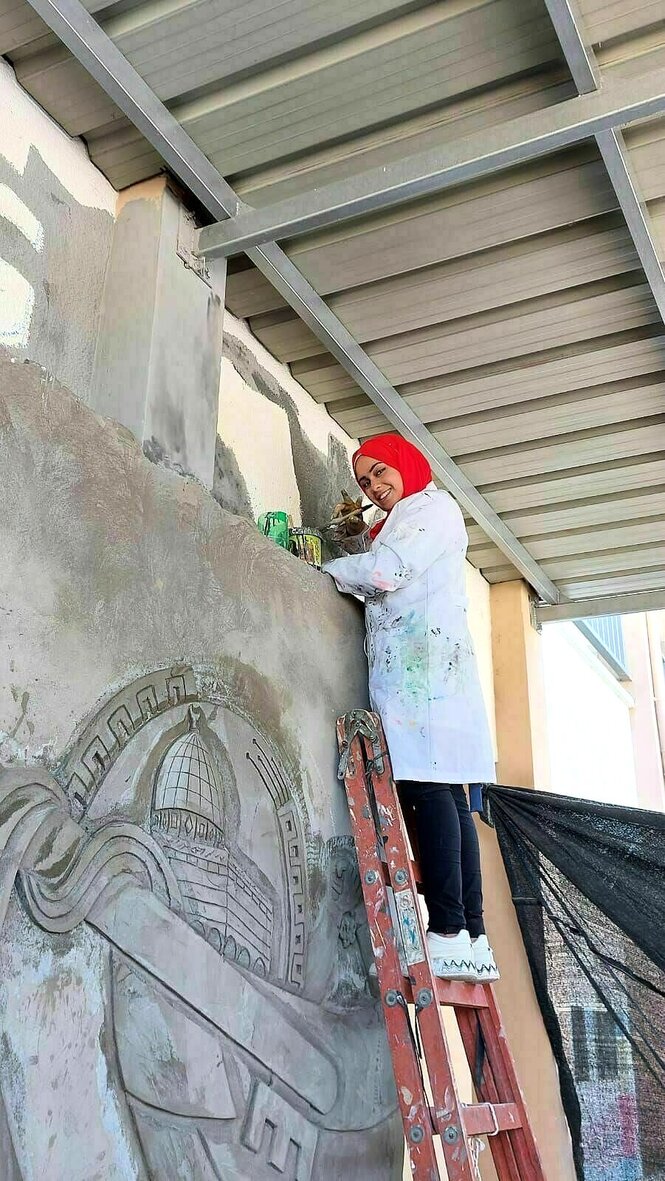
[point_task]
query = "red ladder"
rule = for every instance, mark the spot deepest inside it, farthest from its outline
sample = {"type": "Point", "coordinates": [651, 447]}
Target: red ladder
{"type": "Point", "coordinates": [389, 889]}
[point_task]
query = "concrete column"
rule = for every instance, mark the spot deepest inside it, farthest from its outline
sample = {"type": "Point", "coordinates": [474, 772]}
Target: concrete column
{"type": "Point", "coordinates": [159, 350]}
{"type": "Point", "coordinates": [519, 689]}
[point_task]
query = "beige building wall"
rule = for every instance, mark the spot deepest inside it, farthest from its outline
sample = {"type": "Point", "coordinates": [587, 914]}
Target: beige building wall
{"type": "Point", "coordinates": [656, 631]}
{"type": "Point", "coordinates": [519, 690]}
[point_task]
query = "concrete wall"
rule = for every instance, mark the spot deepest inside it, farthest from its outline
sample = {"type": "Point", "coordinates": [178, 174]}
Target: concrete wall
{"type": "Point", "coordinates": [183, 963]}
{"type": "Point", "coordinates": [185, 967]}
{"type": "Point", "coordinates": [159, 346]}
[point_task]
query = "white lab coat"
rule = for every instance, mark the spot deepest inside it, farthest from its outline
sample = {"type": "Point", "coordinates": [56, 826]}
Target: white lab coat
{"type": "Point", "coordinates": [423, 676]}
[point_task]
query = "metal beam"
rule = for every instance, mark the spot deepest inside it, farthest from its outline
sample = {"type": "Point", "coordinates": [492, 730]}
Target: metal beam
{"type": "Point", "coordinates": [586, 76]}
{"type": "Point", "coordinates": [488, 151]}
{"type": "Point", "coordinates": [607, 605]}
{"type": "Point", "coordinates": [579, 56]}
{"type": "Point", "coordinates": [95, 50]}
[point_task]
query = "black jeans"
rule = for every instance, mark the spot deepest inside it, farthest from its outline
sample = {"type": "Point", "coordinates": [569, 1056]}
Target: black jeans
{"type": "Point", "coordinates": [448, 852]}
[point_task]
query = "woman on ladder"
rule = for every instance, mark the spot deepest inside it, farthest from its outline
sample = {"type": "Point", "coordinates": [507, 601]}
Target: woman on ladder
{"type": "Point", "coordinates": [424, 685]}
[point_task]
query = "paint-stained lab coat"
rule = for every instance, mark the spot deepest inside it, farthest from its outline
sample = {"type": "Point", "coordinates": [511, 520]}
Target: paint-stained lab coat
{"type": "Point", "coordinates": [423, 676]}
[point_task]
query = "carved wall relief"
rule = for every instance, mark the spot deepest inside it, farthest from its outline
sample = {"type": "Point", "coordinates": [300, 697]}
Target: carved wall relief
{"type": "Point", "coordinates": [238, 1018]}
{"type": "Point", "coordinates": [250, 913]}
{"type": "Point", "coordinates": [231, 907]}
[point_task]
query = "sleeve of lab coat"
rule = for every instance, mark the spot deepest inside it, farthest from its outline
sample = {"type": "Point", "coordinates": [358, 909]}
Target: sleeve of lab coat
{"type": "Point", "coordinates": [422, 535]}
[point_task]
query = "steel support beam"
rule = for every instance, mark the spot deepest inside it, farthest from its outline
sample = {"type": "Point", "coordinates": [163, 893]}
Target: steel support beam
{"type": "Point", "coordinates": [108, 66]}
{"type": "Point", "coordinates": [492, 150]}
{"type": "Point", "coordinates": [607, 605]}
{"type": "Point", "coordinates": [579, 56]}
{"type": "Point", "coordinates": [586, 76]}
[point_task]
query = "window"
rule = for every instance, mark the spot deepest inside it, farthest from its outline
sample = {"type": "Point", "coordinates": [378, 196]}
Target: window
{"type": "Point", "coordinates": [606, 635]}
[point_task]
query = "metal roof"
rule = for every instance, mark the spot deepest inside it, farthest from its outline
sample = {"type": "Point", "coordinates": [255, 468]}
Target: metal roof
{"type": "Point", "coordinates": [469, 250]}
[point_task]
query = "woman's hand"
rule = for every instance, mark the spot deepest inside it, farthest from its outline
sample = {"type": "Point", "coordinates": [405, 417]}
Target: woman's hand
{"type": "Point", "coordinates": [347, 512]}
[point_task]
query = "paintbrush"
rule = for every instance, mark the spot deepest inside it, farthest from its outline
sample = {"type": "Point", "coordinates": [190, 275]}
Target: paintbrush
{"type": "Point", "coordinates": [347, 517]}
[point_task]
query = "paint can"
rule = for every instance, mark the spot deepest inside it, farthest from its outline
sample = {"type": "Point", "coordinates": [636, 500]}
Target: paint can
{"type": "Point", "coordinates": [306, 544]}
{"type": "Point", "coordinates": [276, 526]}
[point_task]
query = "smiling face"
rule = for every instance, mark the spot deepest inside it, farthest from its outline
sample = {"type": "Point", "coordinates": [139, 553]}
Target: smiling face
{"type": "Point", "coordinates": [382, 484]}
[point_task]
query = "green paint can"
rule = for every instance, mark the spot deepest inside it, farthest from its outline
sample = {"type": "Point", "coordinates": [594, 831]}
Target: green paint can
{"type": "Point", "coordinates": [276, 526]}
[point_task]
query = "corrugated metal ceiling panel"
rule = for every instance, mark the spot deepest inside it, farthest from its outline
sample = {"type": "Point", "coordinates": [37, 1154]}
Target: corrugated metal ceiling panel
{"type": "Point", "coordinates": [254, 84]}
{"type": "Point", "coordinates": [622, 357]}
{"type": "Point", "coordinates": [607, 19]}
{"type": "Point", "coordinates": [467, 286]}
{"type": "Point", "coordinates": [608, 305]}
{"type": "Point", "coordinates": [20, 25]}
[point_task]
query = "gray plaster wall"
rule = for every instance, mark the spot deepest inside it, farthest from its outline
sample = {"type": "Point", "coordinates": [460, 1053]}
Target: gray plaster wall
{"type": "Point", "coordinates": [183, 965]}
{"type": "Point", "coordinates": [157, 365]}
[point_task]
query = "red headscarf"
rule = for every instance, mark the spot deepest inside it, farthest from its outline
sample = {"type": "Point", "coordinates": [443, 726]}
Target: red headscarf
{"type": "Point", "coordinates": [412, 466]}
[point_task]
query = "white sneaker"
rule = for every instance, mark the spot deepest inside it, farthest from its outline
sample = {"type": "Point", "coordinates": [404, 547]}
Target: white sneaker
{"type": "Point", "coordinates": [452, 957]}
{"type": "Point", "coordinates": [483, 956]}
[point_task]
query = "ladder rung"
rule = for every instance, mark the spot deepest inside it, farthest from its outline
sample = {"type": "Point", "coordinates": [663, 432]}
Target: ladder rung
{"type": "Point", "coordinates": [485, 1118]}
{"type": "Point", "coordinates": [456, 993]}
{"type": "Point", "coordinates": [461, 995]}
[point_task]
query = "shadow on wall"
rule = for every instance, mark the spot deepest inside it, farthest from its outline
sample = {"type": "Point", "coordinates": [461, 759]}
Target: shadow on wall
{"type": "Point", "coordinates": [319, 476]}
{"type": "Point", "coordinates": [229, 488]}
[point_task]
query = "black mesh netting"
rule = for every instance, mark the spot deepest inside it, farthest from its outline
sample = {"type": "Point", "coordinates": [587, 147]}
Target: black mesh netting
{"type": "Point", "coordinates": [588, 883]}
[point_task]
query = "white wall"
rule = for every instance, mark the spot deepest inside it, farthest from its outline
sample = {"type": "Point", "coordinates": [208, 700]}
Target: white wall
{"type": "Point", "coordinates": [258, 430]}
{"type": "Point", "coordinates": [26, 128]}
{"type": "Point", "coordinates": [588, 721]}
{"type": "Point", "coordinates": [56, 223]}
{"type": "Point", "coordinates": [647, 685]}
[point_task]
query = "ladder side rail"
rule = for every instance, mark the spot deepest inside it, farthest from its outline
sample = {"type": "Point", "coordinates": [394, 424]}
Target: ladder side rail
{"type": "Point", "coordinates": [447, 1109]}
{"type": "Point", "coordinates": [487, 1091]}
{"type": "Point", "coordinates": [503, 1068]}
{"type": "Point", "coordinates": [411, 1096]}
